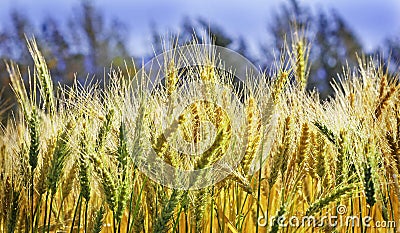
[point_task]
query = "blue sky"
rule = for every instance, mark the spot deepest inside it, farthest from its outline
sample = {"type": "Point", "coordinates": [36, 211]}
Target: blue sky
{"type": "Point", "coordinates": [371, 20]}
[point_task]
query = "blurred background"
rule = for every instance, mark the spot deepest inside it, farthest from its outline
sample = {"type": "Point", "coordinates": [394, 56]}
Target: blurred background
{"type": "Point", "coordinates": [82, 38]}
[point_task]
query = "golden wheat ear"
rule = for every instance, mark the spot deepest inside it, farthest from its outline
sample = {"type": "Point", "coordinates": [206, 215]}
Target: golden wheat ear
{"type": "Point", "coordinates": [42, 74]}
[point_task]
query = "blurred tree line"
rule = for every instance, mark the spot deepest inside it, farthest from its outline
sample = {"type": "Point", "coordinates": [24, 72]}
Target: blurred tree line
{"type": "Point", "coordinates": [89, 43]}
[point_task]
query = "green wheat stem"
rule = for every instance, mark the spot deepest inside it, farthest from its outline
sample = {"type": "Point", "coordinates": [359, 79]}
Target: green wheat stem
{"type": "Point", "coordinates": [45, 212]}
{"type": "Point", "coordinates": [114, 222]}
{"type": "Point", "coordinates": [79, 215]}
{"type": "Point", "coordinates": [86, 214]}
{"type": "Point", "coordinates": [33, 124]}
{"type": "Point", "coordinates": [267, 210]}
{"type": "Point", "coordinates": [131, 202]}
{"type": "Point", "coordinates": [37, 213]}
{"type": "Point", "coordinates": [212, 209]}
{"type": "Point", "coordinates": [32, 203]}
{"type": "Point", "coordinates": [242, 209]}
{"type": "Point", "coordinates": [130, 212]}
{"type": "Point", "coordinates": [137, 205]}
{"type": "Point", "coordinates": [50, 208]}
{"type": "Point", "coordinates": [176, 222]}
{"type": "Point", "coordinates": [75, 212]}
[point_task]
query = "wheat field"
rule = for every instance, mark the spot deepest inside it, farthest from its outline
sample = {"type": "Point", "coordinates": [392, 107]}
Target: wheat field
{"type": "Point", "coordinates": [71, 156]}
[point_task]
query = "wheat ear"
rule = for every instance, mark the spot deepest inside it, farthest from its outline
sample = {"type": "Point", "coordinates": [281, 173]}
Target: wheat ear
{"type": "Point", "coordinates": [43, 74]}
{"type": "Point", "coordinates": [98, 222]}
{"type": "Point", "coordinates": [323, 202]}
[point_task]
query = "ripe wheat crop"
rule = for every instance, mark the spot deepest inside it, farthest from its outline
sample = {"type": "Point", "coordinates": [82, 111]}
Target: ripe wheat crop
{"type": "Point", "coordinates": [71, 157]}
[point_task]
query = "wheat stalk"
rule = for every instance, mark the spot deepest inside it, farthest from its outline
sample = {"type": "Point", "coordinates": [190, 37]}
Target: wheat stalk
{"type": "Point", "coordinates": [321, 203]}
{"type": "Point", "coordinates": [60, 155]}
{"type": "Point", "coordinates": [15, 205]}
{"type": "Point", "coordinates": [304, 144]}
{"type": "Point", "coordinates": [84, 166]}
{"type": "Point", "coordinates": [321, 158]}
{"type": "Point", "coordinates": [369, 186]}
{"type": "Point", "coordinates": [98, 222]}
{"type": "Point", "coordinates": [253, 136]}
{"type": "Point", "coordinates": [279, 86]}
{"type": "Point", "coordinates": [384, 101]}
{"type": "Point", "coordinates": [43, 75]}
